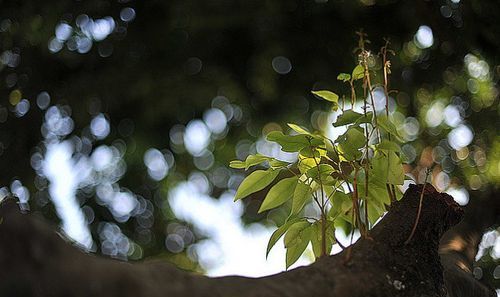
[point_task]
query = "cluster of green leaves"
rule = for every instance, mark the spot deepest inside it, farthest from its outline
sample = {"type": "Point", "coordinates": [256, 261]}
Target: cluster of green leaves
{"type": "Point", "coordinates": [350, 179]}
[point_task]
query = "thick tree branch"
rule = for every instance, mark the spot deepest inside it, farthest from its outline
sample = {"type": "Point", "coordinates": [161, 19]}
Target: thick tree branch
{"type": "Point", "coordinates": [36, 262]}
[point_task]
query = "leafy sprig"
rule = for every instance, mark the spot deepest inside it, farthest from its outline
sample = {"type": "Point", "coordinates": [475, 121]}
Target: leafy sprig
{"type": "Point", "coordinates": [351, 179]}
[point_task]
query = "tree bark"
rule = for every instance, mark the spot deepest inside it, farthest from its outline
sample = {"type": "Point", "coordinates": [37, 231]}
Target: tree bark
{"type": "Point", "coordinates": [35, 261]}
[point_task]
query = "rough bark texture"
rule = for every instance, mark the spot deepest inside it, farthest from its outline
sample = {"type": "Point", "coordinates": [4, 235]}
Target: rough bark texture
{"type": "Point", "coordinates": [34, 261]}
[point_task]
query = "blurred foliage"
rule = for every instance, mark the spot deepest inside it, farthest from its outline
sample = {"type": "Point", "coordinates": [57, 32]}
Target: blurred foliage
{"type": "Point", "coordinates": [129, 76]}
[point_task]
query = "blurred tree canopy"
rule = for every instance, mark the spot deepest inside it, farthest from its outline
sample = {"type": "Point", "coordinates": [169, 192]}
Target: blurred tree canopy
{"type": "Point", "coordinates": [163, 89]}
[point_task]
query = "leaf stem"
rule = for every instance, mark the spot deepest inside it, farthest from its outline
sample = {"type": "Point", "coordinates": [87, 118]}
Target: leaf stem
{"type": "Point", "coordinates": [355, 200]}
{"type": "Point", "coordinates": [321, 207]}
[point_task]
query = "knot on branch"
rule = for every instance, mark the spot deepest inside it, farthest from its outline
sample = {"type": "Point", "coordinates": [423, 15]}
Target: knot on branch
{"type": "Point", "coordinates": [438, 212]}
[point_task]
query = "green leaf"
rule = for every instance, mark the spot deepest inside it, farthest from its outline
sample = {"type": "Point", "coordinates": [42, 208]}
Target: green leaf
{"type": "Point", "coordinates": [256, 181]}
{"type": "Point", "coordinates": [388, 168]}
{"type": "Point", "coordinates": [330, 182]}
{"type": "Point", "coordinates": [353, 137]}
{"type": "Point", "coordinates": [306, 163]}
{"type": "Point", "coordinates": [365, 119]}
{"type": "Point", "coordinates": [293, 253]}
{"type": "Point", "coordinates": [389, 127]}
{"type": "Point", "coordinates": [344, 224]}
{"type": "Point", "coordinates": [345, 77]}
{"type": "Point", "coordinates": [316, 238]}
{"type": "Point", "coordinates": [327, 95]}
{"type": "Point", "coordinates": [375, 211]}
{"type": "Point", "coordinates": [298, 129]}
{"type": "Point", "coordinates": [279, 193]}
{"type": "Point", "coordinates": [250, 161]}
{"type": "Point", "coordinates": [296, 240]}
{"type": "Point", "coordinates": [388, 146]}
{"type": "Point", "coordinates": [396, 174]}
{"type": "Point", "coordinates": [297, 233]}
{"type": "Point", "coordinates": [237, 164]}
{"type": "Point", "coordinates": [377, 190]}
{"type": "Point", "coordinates": [358, 72]}
{"type": "Point", "coordinates": [380, 166]}
{"type": "Point", "coordinates": [278, 233]}
{"type": "Point", "coordinates": [349, 117]}
{"type": "Point", "coordinates": [309, 152]}
{"type": "Point", "coordinates": [301, 194]}
{"type": "Point", "coordinates": [323, 170]}
{"type": "Point", "coordinates": [255, 160]}
{"type": "Point", "coordinates": [350, 143]}
{"type": "Point", "coordinates": [341, 203]}
{"type": "Point", "coordinates": [293, 143]}
{"type": "Point", "coordinates": [399, 194]}
{"type": "Point", "coordinates": [275, 164]}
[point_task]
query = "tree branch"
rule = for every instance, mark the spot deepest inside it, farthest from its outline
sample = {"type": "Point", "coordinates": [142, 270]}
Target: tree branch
{"type": "Point", "coordinates": [35, 261]}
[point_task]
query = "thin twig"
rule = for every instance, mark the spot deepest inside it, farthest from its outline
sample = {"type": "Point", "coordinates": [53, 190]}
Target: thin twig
{"type": "Point", "coordinates": [322, 206]}
{"type": "Point", "coordinates": [419, 209]}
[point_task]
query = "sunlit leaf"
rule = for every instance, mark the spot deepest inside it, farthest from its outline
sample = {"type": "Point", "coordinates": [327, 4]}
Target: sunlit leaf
{"type": "Point", "coordinates": [321, 170]}
{"type": "Point", "coordinates": [297, 233]}
{"type": "Point", "coordinates": [305, 164]}
{"type": "Point", "coordinates": [237, 164]}
{"type": "Point", "coordinates": [278, 233]}
{"type": "Point", "coordinates": [327, 95]}
{"type": "Point", "coordinates": [275, 164]}
{"type": "Point", "coordinates": [317, 236]}
{"type": "Point", "coordinates": [316, 239]}
{"type": "Point", "coordinates": [294, 252]}
{"type": "Point", "coordinates": [298, 128]}
{"type": "Point", "coordinates": [254, 182]}
{"type": "Point", "coordinates": [293, 143]}
{"type": "Point", "coordinates": [358, 72]}
{"type": "Point", "coordinates": [250, 161]}
{"type": "Point", "coordinates": [301, 194]}
{"type": "Point", "coordinates": [255, 160]}
{"type": "Point", "coordinates": [279, 193]}
{"type": "Point", "coordinates": [345, 77]}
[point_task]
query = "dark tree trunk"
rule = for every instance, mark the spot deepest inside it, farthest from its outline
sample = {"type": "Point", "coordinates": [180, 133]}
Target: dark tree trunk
{"type": "Point", "coordinates": [34, 261]}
